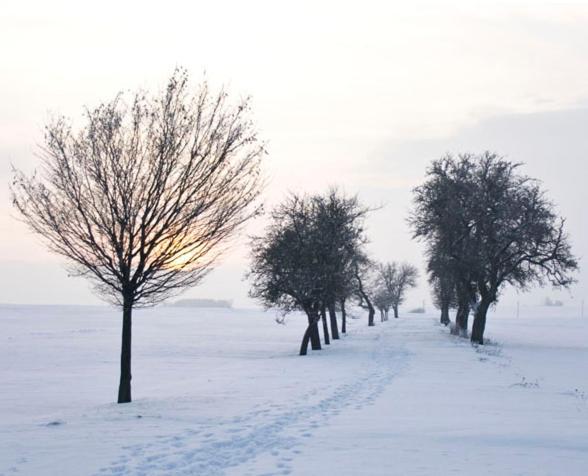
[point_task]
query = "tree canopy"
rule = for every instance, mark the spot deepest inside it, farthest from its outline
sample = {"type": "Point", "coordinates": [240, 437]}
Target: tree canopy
{"type": "Point", "coordinates": [491, 226]}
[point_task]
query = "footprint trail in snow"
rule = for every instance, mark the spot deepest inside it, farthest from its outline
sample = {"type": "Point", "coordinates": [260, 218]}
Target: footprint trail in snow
{"type": "Point", "coordinates": [275, 433]}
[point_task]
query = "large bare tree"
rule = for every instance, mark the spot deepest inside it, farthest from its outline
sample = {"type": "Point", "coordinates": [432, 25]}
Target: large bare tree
{"type": "Point", "coordinates": [144, 196]}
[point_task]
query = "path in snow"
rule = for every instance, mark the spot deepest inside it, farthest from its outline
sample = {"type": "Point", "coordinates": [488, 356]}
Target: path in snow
{"type": "Point", "coordinates": [275, 432]}
{"type": "Point", "coordinates": [512, 407]}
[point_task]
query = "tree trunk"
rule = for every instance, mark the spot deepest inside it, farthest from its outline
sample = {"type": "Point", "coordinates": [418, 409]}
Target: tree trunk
{"type": "Point", "coordinates": [464, 299]}
{"type": "Point", "coordinates": [365, 297]}
{"type": "Point", "coordinates": [461, 320]}
{"type": "Point", "coordinates": [124, 387]}
{"type": "Point", "coordinates": [315, 338]}
{"type": "Point", "coordinates": [311, 334]}
{"type": "Point", "coordinates": [445, 314]}
{"type": "Point", "coordinates": [304, 343]}
{"type": "Point", "coordinates": [479, 324]}
{"type": "Point", "coordinates": [395, 311]}
{"type": "Point", "coordinates": [325, 326]}
{"type": "Point", "coordinates": [333, 319]}
{"type": "Point", "coordinates": [385, 314]}
{"type": "Point", "coordinates": [381, 315]}
{"type": "Point", "coordinates": [343, 317]}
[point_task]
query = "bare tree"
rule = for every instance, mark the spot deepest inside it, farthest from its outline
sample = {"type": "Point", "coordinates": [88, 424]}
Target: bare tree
{"type": "Point", "coordinates": [285, 269]}
{"type": "Point", "coordinates": [520, 238]}
{"type": "Point", "coordinates": [382, 301]}
{"type": "Point", "coordinates": [142, 198]}
{"type": "Point", "coordinates": [339, 222]}
{"type": "Point", "coordinates": [396, 279]}
{"type": "Point", "coordinates": [305, 260]}
{"type": "Point", "coordinates": [440, 218]}
{"type": "Point", "coordinates": [496, 226]}
{"type": "Point", "coordinates": [406, 279]}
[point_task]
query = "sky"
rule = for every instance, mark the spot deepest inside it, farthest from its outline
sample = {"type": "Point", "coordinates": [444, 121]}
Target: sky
{"type": "Point", "coordinates": [361, 95]}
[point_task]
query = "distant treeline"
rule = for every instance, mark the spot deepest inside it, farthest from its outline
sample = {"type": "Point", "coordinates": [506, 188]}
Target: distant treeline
{"type": "Point", "coordinates": [223, 303]}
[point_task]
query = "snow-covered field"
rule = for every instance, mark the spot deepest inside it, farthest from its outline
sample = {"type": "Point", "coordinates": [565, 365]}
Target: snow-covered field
{"type": "Point", "coordinates": [223, 392]}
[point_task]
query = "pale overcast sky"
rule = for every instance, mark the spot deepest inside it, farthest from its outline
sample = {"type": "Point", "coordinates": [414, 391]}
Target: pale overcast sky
{"type": "Point", "coordinates": [357, 94]}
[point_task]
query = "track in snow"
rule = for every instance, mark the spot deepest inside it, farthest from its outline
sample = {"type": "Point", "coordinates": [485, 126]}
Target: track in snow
{"type": "Point", "coordinates": [274, 432]}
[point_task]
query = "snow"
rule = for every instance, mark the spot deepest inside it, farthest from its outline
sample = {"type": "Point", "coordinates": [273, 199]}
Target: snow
{"type": "Point", "coordinates": [220, 391]}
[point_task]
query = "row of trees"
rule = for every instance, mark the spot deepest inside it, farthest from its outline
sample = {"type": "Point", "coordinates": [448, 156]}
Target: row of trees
{"type": "Point", "coordinates": [486, 226]}
{"type": "Point", "coordinates": [143, 198]}
{"type": "Point", "coordinates": [312, 258]}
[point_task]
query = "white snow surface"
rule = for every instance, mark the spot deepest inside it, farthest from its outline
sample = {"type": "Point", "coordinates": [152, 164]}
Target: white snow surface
{"type": "Point", "coordinates": [224, 392]}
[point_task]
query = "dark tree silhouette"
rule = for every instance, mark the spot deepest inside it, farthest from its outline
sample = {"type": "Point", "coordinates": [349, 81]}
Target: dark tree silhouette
{"type": "Point", "coordinates": [285, 270]}
{"type": "Point", "coordinates": [362, 271]}
{"type": "Point", "coordinates": [339, 222]}
{"type": "Point", "coordinates": [497, 227]}
{"type": "Point", "coordinates": [382, 301]}
{"type": "Point", "coordinates": [443, 282]}
{"type": "Point", "coordinates": [439, 217]}
{"type": "Point", "coordinates": [305, 259]}
{"type": "Point", "coordinates": [395, 279]}
{"type": "Point", "coordinates": [142, 198]}
{"type": "Point", "coordinates": [343, 309]}
{"type": "Point", "coordinates": [466, 299]}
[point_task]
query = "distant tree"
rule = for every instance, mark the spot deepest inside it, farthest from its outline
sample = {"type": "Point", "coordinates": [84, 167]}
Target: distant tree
{"type": "Point", "coordinates": [551, 303]}
{"type": "Point", "coordinates": [406, 279]}
{"type": "Point", "coordinates": [141, 199]}
{"type": "Point", "coordinates": [285, 271]}
{"type": "Point", "coordinates": [440, 218]}
{"type": "Point", "coordinates": [519, 235]}
{"type": "Point", "coordinates": [496, 225]}
{"type": "Point", "coordinates": [339, 222]}
{"type": "Point", "coordinates": [382, 301]}
{"type": "Point", "coordinates": [305, 259]}
{"type": "Point", "coordinates": [396, 279]}
{"type": "Point", "coordinates": [381, 292]}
